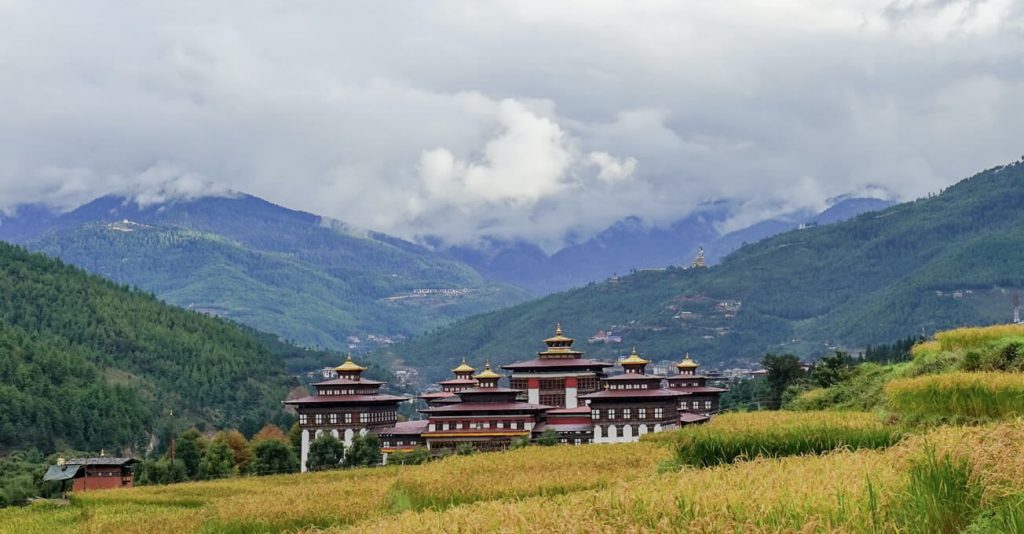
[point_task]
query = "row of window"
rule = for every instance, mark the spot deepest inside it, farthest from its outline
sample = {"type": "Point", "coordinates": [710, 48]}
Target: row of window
{"type": "Point", "coordinates": [338, 391]}
{"type": "Point", "coordinates": [694, 405]}
{"type": "Point", "coordinates": [628, 386]}
{"type": "Point", "coordinates": [627, 413]}
{"type": "Point", "coordinates": [347, 418]}
{"type": "Point", "coordinates": [478, 425]}
{"type": "Point", "coordinates": [687, 384]}
{"type": "Point", "coordinates": [401, 443]}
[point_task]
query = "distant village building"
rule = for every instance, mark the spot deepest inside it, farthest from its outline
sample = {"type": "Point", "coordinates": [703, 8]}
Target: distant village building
{"type": "Point", "coordinates": [344, 406]}
{"type": "Point", "coordinates": [92, 473]}
{"type": "Point", "coordinates": [559, 374]}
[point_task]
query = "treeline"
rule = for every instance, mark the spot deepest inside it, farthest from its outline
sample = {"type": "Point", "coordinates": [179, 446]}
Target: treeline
{"type": "Point", "coordinates": [89, 364]}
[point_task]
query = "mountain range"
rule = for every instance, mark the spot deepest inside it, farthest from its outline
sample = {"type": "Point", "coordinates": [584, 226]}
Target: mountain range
{"type": "Point", "coordinates": [322, 283]}
{"type": "Point", "coordinates": [312, 280]}
{"type": "Point", "coordinates": [938, 262]}
{"type": "Point", "coordinates": [630, 245]}
{"type": "Point", "coordinates": [86, 363]}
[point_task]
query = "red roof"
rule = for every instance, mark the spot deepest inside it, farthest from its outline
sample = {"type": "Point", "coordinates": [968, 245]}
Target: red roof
{"type": "Point", "coordinates": [486, 407]}
{"type": "Point", "coordinates": [561, 427]}
{"type": "Point", "coordinates": [698, 389]}
{"type": "Point", "coordinates": [687, 417]}
{"type": "Point", "coordinates": [406, 428]}
{"type": "Point", "coordinates": [437, 395]}
{"type": "Point", "coordinates": [549, 363]}
{"type": "Point", "coordinates": [630, 393]}
{"type": "Point", "coordinates": [345, 399]}
{"type": "Point", "coordinates": [568, 411]}
{"type": "Point", "coordinates": [347, 382]}
{"type": "Point", "coordinates": [634, 376]}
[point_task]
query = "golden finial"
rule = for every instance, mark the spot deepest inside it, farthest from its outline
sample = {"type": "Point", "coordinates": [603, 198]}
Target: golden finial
{"type": "Point", "coordinates": [487, 372]}
{"type": "Point", "coordinates": [349, 365]}
{"type": "Point", "coordinates": [463, 367]}
{"type": "Point", "coordinates": [558, 329]}
{"type": "Point", "coordinates": [687, 363]}
{"type": "Point", "coordinates": [634, 359]}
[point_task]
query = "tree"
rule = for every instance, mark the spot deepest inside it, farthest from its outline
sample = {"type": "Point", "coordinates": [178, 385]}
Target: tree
{"type": "Point", "coordinates": [416, 456]}
{"type": "Point", "coordinates": [783, 371]}
{"type": "Point", "coordinates": [464, 449]}
{"type": "Point", "coordinates": [325, 452]}
{"type": "Point", "coordinates": [271, 431]}
{"type": "Point", "coordinates": [240, 451]}
{"type": "Point", "coordinates": [218, 462]}
{"type": "Point", "coordinates": [832, 369]}
{"type": "Point", "coordinates": [547, 438]}
{"type": "Point", "coordinates": [365, 451]}
{"type": "Point", "coordinates": [189, 449]}
{"type": "Point", "coordinates": [273, 456]}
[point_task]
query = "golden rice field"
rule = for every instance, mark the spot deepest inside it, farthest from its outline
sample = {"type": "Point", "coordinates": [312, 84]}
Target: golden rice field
{"type": "Point", "coordinates": [958, 395]}
{"type": "Point", "coordinates": [960, 339]}
{"type": "Point", "coordinates": [596, 488]}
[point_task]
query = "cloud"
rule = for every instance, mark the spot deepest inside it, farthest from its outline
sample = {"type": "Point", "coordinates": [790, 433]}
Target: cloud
{"type": "Point", "coordinates": [537, 121]}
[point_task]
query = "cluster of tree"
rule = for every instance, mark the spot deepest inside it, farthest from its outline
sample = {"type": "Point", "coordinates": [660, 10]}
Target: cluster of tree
{"type": "Point", "coordinates": [227, 453]}
{"type": "Point", "coordinates": [91, 364]}
{"type": "Point", "coordinates": [328, 452]}
{"type": "Point", "coordinates": [898, 351]}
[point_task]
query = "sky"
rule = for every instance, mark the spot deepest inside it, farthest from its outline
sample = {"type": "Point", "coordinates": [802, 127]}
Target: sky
{"type": "Point", "coordinates": [538, 121]}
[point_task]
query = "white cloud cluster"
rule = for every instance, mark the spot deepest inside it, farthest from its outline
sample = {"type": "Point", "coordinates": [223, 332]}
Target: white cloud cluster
{"type": "Point", "coordinates": [541, 121]}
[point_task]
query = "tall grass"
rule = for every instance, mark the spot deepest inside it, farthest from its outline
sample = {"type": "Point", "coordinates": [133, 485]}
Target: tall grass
{"type": "Point", "coordinates": [941, 497]}
{"type": "Point", "coordinates": [958, 396]}
{"type": "Point", "coordinates": [777, 434]}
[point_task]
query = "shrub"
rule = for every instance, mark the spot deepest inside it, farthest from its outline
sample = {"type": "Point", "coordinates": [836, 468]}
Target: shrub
{"type": "Point", "coordinates": [958, 396]}
{"type": "Point", "coordinates": [773, 435]}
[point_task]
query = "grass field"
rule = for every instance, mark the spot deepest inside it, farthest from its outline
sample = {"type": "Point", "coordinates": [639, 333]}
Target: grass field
{"type": "Point", "coordinates": [809, 471]}
{"type": "Point", "coordinates": [978, 471]}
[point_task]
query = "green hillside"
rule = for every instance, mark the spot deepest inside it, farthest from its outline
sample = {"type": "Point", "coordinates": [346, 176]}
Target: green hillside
{"type": "Point", "coordinates": [312, 281]}
{"type": "Point", "coordinates": [947, 260]}
{"type": "Point", "coordinates": [89, 364]}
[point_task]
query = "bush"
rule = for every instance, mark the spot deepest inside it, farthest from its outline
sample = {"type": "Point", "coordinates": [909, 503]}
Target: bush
{"type": "Point", "coordinates": [273, 456]}
{"type": "Point", "coordinates": [958, 396]}
{"type": "Point", "coordinates": [772, 436]}
{"type": "Point", "coordinates": [326, 452]}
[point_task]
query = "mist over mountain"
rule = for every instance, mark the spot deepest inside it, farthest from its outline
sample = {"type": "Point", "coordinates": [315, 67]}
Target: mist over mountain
{"type": "Point", "coordinates": [942, 261]}
{"type": "Point", "coordinates": [630, 245]}
{"type": "Point", "coordinates": [309, 279]}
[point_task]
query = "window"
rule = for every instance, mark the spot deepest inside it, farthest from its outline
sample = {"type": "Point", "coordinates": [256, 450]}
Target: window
{"type": "Point", "coordinates": [625, 413]}
{"type": "Point", "coordinates": [348, 418]}
{"type": "Point", "coordinates": [333, 418]}
{"type": "Point", "coordinates": [659, 413]}
{"type": "Point", "coordinates": [595, 414]}
{"type": "Point", "coordinates": [611, 413]}
{"type": "Point", "coordinates": [303, 419]}
{"type": "Point", "coordinates": [696, 404]}
{"type": "Point", "coordinates": [642, 413]}
{"type": "Point", "coordinates": [319, 418]}
{"type": "Point", "coordinates": [707, 405]}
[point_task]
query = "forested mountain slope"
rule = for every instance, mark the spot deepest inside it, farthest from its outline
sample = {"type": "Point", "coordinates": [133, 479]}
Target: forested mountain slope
{"type": "Point", "coordinates": [947, 260]}
{"type": "Point", "coordinates": [88, 364]}
{"type": "Point", "coordinates": [311, 280]}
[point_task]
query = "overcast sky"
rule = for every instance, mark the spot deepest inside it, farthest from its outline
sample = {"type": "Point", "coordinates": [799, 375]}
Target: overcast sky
{"type": "Point", "coordinates": [532, 120]}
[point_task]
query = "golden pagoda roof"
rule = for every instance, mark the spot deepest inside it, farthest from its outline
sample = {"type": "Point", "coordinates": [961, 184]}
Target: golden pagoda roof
{"type": "Point", "coordinates": [463, 368]}
{"type": "Point", "coordinates": [634, 359]}
{"type": "Point", "coordinates": [487, 373]}
{"type": "Point", "coordinates": [687, 363]}
{"type": "Point", "coordinates": [349, 366]}
{"type": "Point", "coordinates": [558, 335]}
